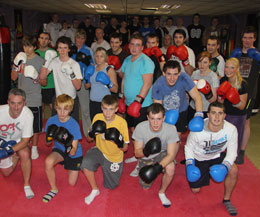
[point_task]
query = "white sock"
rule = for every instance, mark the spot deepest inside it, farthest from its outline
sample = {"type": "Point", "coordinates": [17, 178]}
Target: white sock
{"type": "Point", "coordinates": [28, 192]}
{"type": "Point", "coordinates": [34, 147]}
{"type": "Point", "coordinates": [91, 196]}
{"type": "Point", "coordinates": [165, 201]}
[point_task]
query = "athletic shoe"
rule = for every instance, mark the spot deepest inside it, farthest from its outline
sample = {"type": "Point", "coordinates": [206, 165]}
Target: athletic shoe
{"type": "Point", "coordinates": [130, 160]}
{"type": "Point", "coordinates": [135, 172]}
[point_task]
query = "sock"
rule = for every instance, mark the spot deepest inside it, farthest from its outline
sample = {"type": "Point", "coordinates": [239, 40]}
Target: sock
{"type": "Point", "coordinates": [28, 192]}
{"type": "Point", "coordinates": [47, 197]}
{"type": "Point", "coordinates": [165, 201]}
{"type": "Point", "coordinates": [91, 196]}
{"type": "Point", "coordinates": [230, 208]}
{"type": "Point", "coordinates": [242, 152]}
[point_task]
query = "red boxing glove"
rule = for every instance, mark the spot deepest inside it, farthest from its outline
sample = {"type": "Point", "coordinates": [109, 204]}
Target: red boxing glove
{"type": "Point", "coordinates": [126, 48]}
{"type": "Point", "coordinates": [170, 51]}
{"type": "Point", "coordinates": [205, 88]}
{"type": "Point", "coordinates": [121, 103]}
{"type": "Point", "coordinates": [156, 51]}
{"type": "Point", "coordinates": [134, 108]}
{"type": "Point", "coordinates": [182, 53]}
{"type": "Point", "coordinates": [147, 52]}
{"type": "Point", "coordinates": [233, 96]}
{"type": "Point", "coordinates": [114, 61]}
{"type": "Point", "coordinates": [223, 89]}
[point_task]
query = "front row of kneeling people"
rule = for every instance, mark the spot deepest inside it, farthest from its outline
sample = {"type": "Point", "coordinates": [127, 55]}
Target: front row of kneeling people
{"type": "Point", "coordinates": [210, 150]}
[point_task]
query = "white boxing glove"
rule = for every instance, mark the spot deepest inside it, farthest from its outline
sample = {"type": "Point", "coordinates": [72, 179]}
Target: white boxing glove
{"type": "Point", "coordinates": [67, 69]}
{"type": "Point", "coordinates": [19, 61]}
{"type": "Point", "coordinates": [49, 56]}
{"type": "Point", "coordinates": [30, 72]}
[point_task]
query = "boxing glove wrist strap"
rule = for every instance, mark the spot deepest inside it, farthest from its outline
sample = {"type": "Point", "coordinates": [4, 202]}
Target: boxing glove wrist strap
{"type": "Point", "coordinates": [199, 114]}
{"type": "Point", "coordinates": [227, 164]}
{"type": "Point", "coordinates": [139, 99]}
{"type": "Point", "coordinates": [237, 105]}
{"type": "Point", "coordinates": [121, 95]}
{"type": "Point", "coordinates": [189, 161]}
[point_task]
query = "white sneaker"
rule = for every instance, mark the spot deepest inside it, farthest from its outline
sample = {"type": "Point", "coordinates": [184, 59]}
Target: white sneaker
{"type": "Point", "coordinates": [35, 153]}
{"type": "Point", "coordinates": [130, 160]}
{"type": "Point", "coordinates": [135, 172]}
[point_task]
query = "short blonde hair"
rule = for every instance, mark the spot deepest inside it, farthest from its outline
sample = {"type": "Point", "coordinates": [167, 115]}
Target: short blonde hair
{"type": "Point", "coordinates": [80, 32]}
{"type": "Point", "coordinates": [239, 79]}
{"type": "Point", "coordinates": [65, 100]}
{"type": "Point", "coordinates": [103, 51]}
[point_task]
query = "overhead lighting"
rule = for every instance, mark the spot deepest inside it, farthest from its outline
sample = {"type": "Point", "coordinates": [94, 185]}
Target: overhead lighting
{"type": "Point", "coordinates": [175, 6]}
{"type": "Point", "coordinates": [165, 6]}
{"type": "Point", "coordinates": [149, 9]}
{"type": "Point", "coordinates": [170, 6]}
{"type": "Point", "coordinates": [162, 12]}
{"type": "Point", "coordinates": [103, 11]}
{"type": "Point", "coordinates": [96, 6]}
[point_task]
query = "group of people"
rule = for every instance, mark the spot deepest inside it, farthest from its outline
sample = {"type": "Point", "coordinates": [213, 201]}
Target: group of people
{"type": "Point", "coordinates": [155, 95]}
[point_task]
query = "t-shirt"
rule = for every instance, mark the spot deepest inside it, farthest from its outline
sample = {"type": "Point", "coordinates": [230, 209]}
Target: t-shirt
{"type": "Point", "coordinates": [173, 97]}
{"type": "Point", "coordinates": [32, 88]}
{"type": "Point", "coordinates": [18, 128]}
{"type": "Point", "coordinates": [195, 37]}
{"type": "Point", "coordinates": [109, 148]}
{"type": "Point", "coordinates": [213, 81]}
{"type": "Point", "coordinates": [53, 29]}
{"type": "Point", "coordinates": [50, 81]}
{"type": "Point", "coordinates": [207, 145]}
{"type": "Point", "coordinates": [63, 84]}
{"type": "Point", "coordinates": [73, 127]}
{"type": "Point", "coordinates": [218, 65]}
{"type": "Point", "coordinates": [229, 108]}
{"type": "Point", "coordinates": [133, 80]}
{"type": "Point", "coordinates": [103, 44]}
{"type": "Point", "coordinates": [168, 135]}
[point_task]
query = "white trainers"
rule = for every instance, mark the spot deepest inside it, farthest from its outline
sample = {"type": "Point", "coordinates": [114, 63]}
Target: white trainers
{"type": "Point", "coordinates": [135, 172]}
{"type": "Point", "coordinates": [35, 153]}
{"type": "Point", "coordinates": [130, 160]}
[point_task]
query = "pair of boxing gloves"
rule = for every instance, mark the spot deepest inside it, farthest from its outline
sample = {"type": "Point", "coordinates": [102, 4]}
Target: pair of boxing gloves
{"type": "Point", "coordinates": [60, 135]}
{"type": "Point", "coordinates": [226, 91]}
{"type": "Point", "coordinates": [181, 52]}
{"type": "Point", "coordinates": [218, 172]}
{"type": "Point", "coordinates": [154, 51]}
{"type": "Point", "coordinates": [252, 53]}
{"type": "Point", "coordinates": [112, 134]}
{"type": "Point", "coordinates": [6, 149]}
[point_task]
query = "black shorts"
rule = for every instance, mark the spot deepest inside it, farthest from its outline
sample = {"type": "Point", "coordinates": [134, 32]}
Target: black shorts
{"type": "Point", "coordinates": [132, 122]}
{"type": "Point", "coordinates": [94, 108]}
{"type": "Point", "coordinates": [204, 170]}
{"type": "Point", "coordinates": [37, 121]}
{"type": "Point", "coordinates": [47, 95]}
{"type": "Point", "coordinates": [69, 163]}
{"type": "Point", "coordinates": [182, 122]}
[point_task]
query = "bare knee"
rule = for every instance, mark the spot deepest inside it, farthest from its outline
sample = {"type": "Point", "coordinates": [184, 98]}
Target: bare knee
{"type": "Point", "coordinates": [6, 172]}
{"type": "Point", "coordinates": [170, 169]}
{"type": "Point", "coordinates": [24, 154]}
{"type": "Point", "coordinates": [233, 172]}
{"type": "Point", "coordinates": [195, 190]}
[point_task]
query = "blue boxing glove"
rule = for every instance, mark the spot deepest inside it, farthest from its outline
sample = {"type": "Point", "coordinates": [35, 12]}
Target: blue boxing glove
{"type": "Point", "coordinates": [218, 172]}
{"type": "Point", "coordinates": [171, 116]}
{"type": "Point", "coordinates": [237, 52]}
{"type": "Point", "coordinates": [254, 54]}
{"type": "Point", "coordinates": [196, 124]}
{"type": "Point", "coordinates": [193, 172]}
{"type": "Point", "coordinates": [6, 149]}
{"type": "Point", "coordinates": [103, 78]}
{"type": "Point", "coordinates": [89, 71]}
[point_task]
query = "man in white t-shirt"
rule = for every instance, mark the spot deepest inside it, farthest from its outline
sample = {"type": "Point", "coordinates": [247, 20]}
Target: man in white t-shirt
{"type": "Point", "coordinates": [54, 28]}
{"type": "Point", "coordinates": [167, 41]}
{"type": "Point", "coordinates": [16, 129]}
{"type": "Point", "coordinates": [101, 42]}
{"type": "Point", "coordinates": [66, 72]}
{"type": "Point", "coordinates": [217, 62]}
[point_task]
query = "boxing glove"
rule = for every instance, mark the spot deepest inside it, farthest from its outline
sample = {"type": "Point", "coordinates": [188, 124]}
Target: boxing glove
{"type": "Point", "coordinates": [134, 108]}
{"type": "Point", "coordinates": [218, 172]}
{"type": "Point", "coordinates": [81, 57]}
{"type": "Point", "coordinates": [73, 50]}
{"type": "Point", "coordinates": [236, 53]}
{"type": "Point", "coordinates": [232, 96]}
{"type": "Point", "coordinates": [193, 172]}
{"type": "Point", "coordinates": [223, 89]}
{"type": "Point", "coordinates": [19, 62]}
{"type": "Point", "coordinates": [171, 116]}
{"type": "Point", "coordinates": [153, 146]}
{"type": "Point", "coordinates": [63, 136]}
{"type": "Point", "coordinates": [170, 51]}
{"type": "Point", "coordinates": [88, 73]}
{"type": "Point", "coordinates": [182, 53]}
{"type": "Point", "coordinates": [156, 51]}
{"type": "Point", "coordinates": [67, 69]}
{"type": "Point", "coordinates": [97, 128]}
{"type": "Point", "coordinates": [121, 103]}
{"type": "Point", "coordinates": [30, 72]}
{"type": "Point", "coordinates": [114, 61]}
{"type": "Point", "coordinates": [103, 78]}
{"type": "Point", "coordinates": [196, 124]}
{"type": "Point", "coordinates": [51, 130]}
{"type": "Point", "coordinates": [115, 136]}
{"type": "Point", "coordinates": [49, 56]}
{"type": "Point", "coordinates": [6, 149]}
{"type": "Point", "coordinates": [150, 172]}
{"type": "Point", "coordinates": [254, 54]}
{"type": "Point", "coordinates": [205, 88]}
{"type": "Point", "coordinates": [147, 52]}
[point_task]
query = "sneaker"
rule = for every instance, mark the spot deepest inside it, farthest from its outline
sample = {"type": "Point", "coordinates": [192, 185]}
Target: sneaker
{"type": "Point", "coordinates": [35, 153]}
{"type": "Point", "coordinates": [135, 172]}
{"type": "Point", "coordinates": [130, 160]}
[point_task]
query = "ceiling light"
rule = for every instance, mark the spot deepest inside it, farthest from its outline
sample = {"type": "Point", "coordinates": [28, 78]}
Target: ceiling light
{"type": "Point", "coordinates": [103, 11]}
{"type": "Point", "coordinates": [175, 6]}
{"type": "Point", "coordinates": [96, 6]}
{"type": "Point", "coordinates": [162, 12]}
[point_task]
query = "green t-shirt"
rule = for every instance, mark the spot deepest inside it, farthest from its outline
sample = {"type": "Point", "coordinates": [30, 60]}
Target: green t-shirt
{"type": "Point", "coordinates": [50, 81]}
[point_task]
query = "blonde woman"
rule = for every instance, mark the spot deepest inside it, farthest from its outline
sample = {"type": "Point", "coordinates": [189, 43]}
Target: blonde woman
{"type": "Point", "coordinates": [102, 82]}
{"type": "Point", "coordinates": [233, 92]}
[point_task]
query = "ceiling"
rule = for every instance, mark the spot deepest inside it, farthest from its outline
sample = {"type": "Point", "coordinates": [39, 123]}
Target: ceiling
{"type": "Point", "coordinates": [184, 7]}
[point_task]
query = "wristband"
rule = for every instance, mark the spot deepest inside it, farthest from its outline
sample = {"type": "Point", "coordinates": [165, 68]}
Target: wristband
{"type": "Point", "coordinates": [139, 99]}
{"type": "Point", "coordinates": [227, 164]}
{"type": "Point", "coordinates": [199, 114]}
